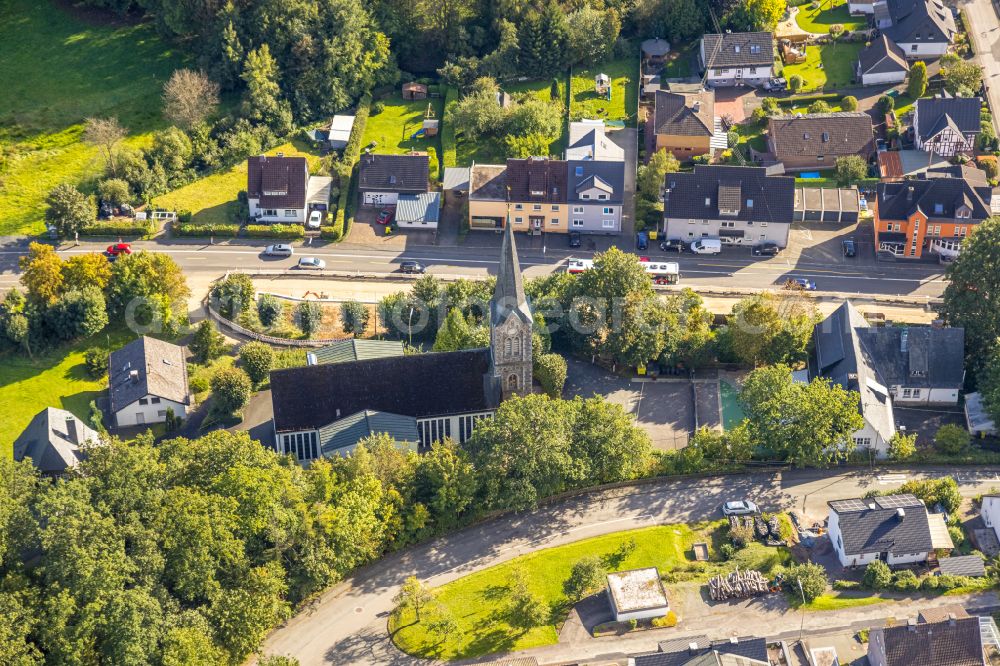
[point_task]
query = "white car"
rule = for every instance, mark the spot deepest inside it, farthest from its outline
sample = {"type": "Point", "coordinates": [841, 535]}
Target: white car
{"type": "Point", "coordinates": [315, 219]}
{"type": "Point", "coordinates": [312, 263]}
{"type": "Point", "coordinates": [280, 250]}
{"type": "Point", "coordinates": [739, 508]}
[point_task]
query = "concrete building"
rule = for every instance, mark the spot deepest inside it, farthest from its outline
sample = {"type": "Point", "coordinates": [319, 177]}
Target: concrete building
{"type": "Point", "coordinates": [637, 595]}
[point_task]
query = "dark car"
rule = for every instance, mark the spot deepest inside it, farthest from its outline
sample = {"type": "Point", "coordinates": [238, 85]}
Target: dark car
{"type": "Point", "coordinates": [641, 240]}
{"type": "Point", "coordinates": [575, 240]}
{"type": "Point", "coordinates": [766, 250]}
{"type": "Point", "coordinates": [412, 267]}
{"type": "Point", "coordinates": [672, 245]}
{"type": "Point", "coordinates": [849, 248]}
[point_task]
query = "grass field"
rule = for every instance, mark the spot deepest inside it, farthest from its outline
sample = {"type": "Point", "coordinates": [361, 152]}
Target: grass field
{"type": "Point", "coordinates": [840, 600]}
{"type": "Point", "coordinates": [624, 101]}
{"type": "Point", "coordinates": [829, 67]}
{"type": "Point", "coordinates": [56, 71]}
{"type": "Point", "coordinates": [393, 129]}
{"type": "Point", "coordinates": [212, 199]}
{"type": "Point", "coordinates": [477, 601]}
{"type": "Point", "coordinates": [830, 12]}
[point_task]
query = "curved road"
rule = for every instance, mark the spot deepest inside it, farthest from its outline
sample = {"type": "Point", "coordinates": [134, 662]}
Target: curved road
{"type": "Point", "coordinates": [347, 625]}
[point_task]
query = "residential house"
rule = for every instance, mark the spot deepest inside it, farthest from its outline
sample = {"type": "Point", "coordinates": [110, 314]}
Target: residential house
{"type": "Point", "coordinates": [955, 641]}
{"type": "Point", "coordinates": [990, 512]}
{"type": "Point", "coordinates": [839, 205]}
{"type": "Point", "coordinates": [588, 141]}
{"type": "Point", "coordinates": [684, 123]}
{"type": "Point", "coordinates": [882, 63]}
{"type": "Point", "coordinates": [418, 211]}
{"type": "Point", "coordinates": [817, 140]}
{"type": "Point", "coordinates": [737, 57]}
{"type": "Point", "coordinates": [537, 188]}
{"type": "Point", "coordinates": [886, 366]}
{"type": "Point", "coordinates": [277, 188]}
{"type": "Point", "coordinates": [700, 651]}
{"type": "Point", "coordinates": [147, 377]}
{"type": "Point", "coordinates": [383, 178]}
{"type": "Point", "coordinates": [319, 409]}
{"type": "Point", "coordinates": [947, 125]}
{"type": "Point", "coordinates": [54, 441]}
{"type": "Point", "coordinates": [740, 205]}
{"type": "Point", "coordinates": [596, 195]}
{"type": "Point", "coordinates": [921, 28]}
{"type": "Point", "coordinates": [896, 529]}
{"type": "Point", "coordinates": [933, 214]}
{"type": "Point", "coordinates": [489, 203]}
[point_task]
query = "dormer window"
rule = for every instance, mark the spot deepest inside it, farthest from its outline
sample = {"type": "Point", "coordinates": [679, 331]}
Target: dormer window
{"type": "Point", "coordinates": [754, 48]}
{"type": "Point", "coordinates": [708, 202]}
{"type": "Point", "coordinates": [805, 135]}
{"type": "Point", "coordinates": [963, 212]}
{"type": "Point", "coordinates": [392, 179]}
{"type": "Point", "coordinates": [579, 171]}
{"type": "Point", "coordinates": [938, 209]}
{"type": "Point", "coordinates": [826, 137]}
{"type": "Point", "coordinates": [737, 48]}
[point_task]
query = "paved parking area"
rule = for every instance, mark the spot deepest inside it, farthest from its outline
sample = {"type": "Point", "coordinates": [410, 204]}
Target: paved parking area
{"type": "Point", "coordinates": [925, 421]}
{"type": "Point", "coordinates": [366, 231]}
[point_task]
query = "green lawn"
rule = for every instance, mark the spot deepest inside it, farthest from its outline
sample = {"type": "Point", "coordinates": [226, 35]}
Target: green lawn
{"type": "Point", "coordinates": [393, 129]}
{"type": "Point", "coordinates": [624, 101]}
{"type": "Point", "coordinates": [840, 600]}
{"type": "Point", "coordinates": [679, 64]}
{"type": "Point", "coordinates": [56, 71]}
{"type": "Point", "coordinates": [820, 19]}
{"type": "Point", "coordinates": [477, 600]}
{"type": "Point", "coordinates": [829, 67]}
{"type": "Point", "coordinates": [212, 199]}
{"type": "Point", "coordinates": [541, 90]}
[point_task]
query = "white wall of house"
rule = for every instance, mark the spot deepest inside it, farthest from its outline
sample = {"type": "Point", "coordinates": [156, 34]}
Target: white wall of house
{"type": "Point", "coordinates": [918, 50]}
{"type": "Point", "coordinates": [905, 558]}
{"type": "Point", "coordinates": [753, 232]}
{"type": "Point", "coordinates": [282, 215]}
{"type": "Point", "coordinates": [869, 437]}
{"type": "Point", "coordinates": [591, 218]}
{"type": "Point", "coordinates": [907, 396]}
{"type": "Point", "coordinates": [753, 76]}
{"type": "Point", "coordinates": [990, 512]}
{"type": "Point", "coordinates": [150, 409]}
{"type": "Point", "coordinates": [861, 7]}
{"type": "Point", "coordinates": [884, 78]}
{"type": "Point", "coordinates": [837, 540]}
{"type": "Point", "coordinates": [646, 614]}
{"type": "Point", "coordinates": [946, 143]}
{"type": "Point", "coordinates": [410, 224]}
{"type": "Point", "coordinates": [380, 198]}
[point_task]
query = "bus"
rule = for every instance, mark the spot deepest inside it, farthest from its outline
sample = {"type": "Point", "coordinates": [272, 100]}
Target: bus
{"type": "Point", "coordinates": [661, 272]}
{"type": "Point", "coordinates": [575, 266]}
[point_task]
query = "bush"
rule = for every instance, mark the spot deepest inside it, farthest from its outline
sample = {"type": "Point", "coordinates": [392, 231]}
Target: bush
{"type": "Point", "coordinates": [269, 309]}
{"type": "Point", "coordinates": [952, 439]}
{"type": "Point", "coordinates": [727, 550]}
{"type": "Point", "coordinates": [550, 371]}
{"type": "Point", "coordinates": [795, 83]}
{"type": "Point", "coordinates": [280, 231]}
{"type": "Point", "coordinates": [846, 585]}
{"type": "Point", "coordinates": [902, 446]}
{"type": "Point", "coordinates": [849, 103]}
{"type": "Point", "coordinates": [943, 491]}
{"type": "Point", "coordinates": [96, 360]}
{"type": "Point", "coordinates": [877, 576]}
{"type": "Point", "coordinates": [377, 108]}
{"type": "Point", "coordinates": [256, 358]}
{"type": "Point", "coordinates": [433, 165]}
{"type": "Point", "coordinates": [741, 535]}
{"type": "Point", "coordinates": [205, 230]}
{"type": "Point", "coordinates": [950, 582]}
{"type": "Point", "coordinates": [905, 581]}
{"type": "Point", "coordinates": [812, 577]}
{"type": "Point", "coordinates": [118, 228]}
{"type": "Point", "coordinates": [184, 216]}
{"type": "Point", "coordinates": [231, 390]}
{"type": "Point", "coordinates": [449, 147]}
{"type": "Point", "coordinates": [798, 100]}
{"type": "Point", "coordinates": [668, 620]}
{"type": "Point", "coordinates": [886, 103]}
{"type": "Point", "coordinates": [309, 316]}
{"type": "Point", "coordinates": [930, 583]}
{"type": "Point", "coordinates": [198, 384]}
{"type": "Point", "coordinates": [207, 343]}
{"type": "Point", "coordinates": [587, 576]}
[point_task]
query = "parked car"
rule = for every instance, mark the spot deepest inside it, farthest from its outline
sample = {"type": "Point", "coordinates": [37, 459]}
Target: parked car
{"type": "Point", "coordinates": [849, 249]}
{"type": "Point", "coordinates": [765, 250]}
{"type": "Point", "coordinates": [672, 245]}
{"type": "Point", "coordinates": [641, 240]}
{"type": "Point", "coordinates": [279, 250]}
{"type": "Point", "coordinates": [575, 239]}
{"type": "Point", "coordinates": [412, 267]}
{"type": "Point", "coordinates": [707, 246]}
{"type": "Point", "coordinates": [739, 508]}
{"type": "Point", "coordinates": [312, 263]}
{"type": "Point", "coordinates": [315, 219]}
{"type": "Point", "coordinates": [117, 249]}
{"type": "Point", "coordinates": [385, 216]}
{"type": "Point", "coordinates": [777, 84]}
{"type": "Point", "coordinates": [802, 283]}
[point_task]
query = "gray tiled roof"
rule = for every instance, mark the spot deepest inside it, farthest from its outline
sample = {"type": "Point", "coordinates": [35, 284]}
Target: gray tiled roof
{"type": "Point", "coordinates": [695, 194]}
{"type": "Point", "coordinates": [52, 440]}
{"type": "Point", "coordinates": [955, 643]}
{"type": "Point", "coordinates": [830, 134]}
{"type": "Point", "coordinates": [394, 173]}
{"type": "Point", "coordinates": [349, 430]}
{"type": "Point", "coordinates": [882, 56]}
{"type": "Point", "coordinates": [488, 181]}
{"type": "Point", "coordinates": [675, 113]}
{"type": "Point", "coordinates": [612, 173]}
{"type": "Point", "coordinates": [147, 366]}
{"type": "Point", "coordinates": [932, 358]}
{"type": "Point", "coordinates": [354, 349]}
{"type": "Point", "coordinates": [934, 197]}
{"type": "Point", "coordinates": [677, 652]}
{"type": "Point", "coordinates": [423, 207]}
{"type": "Point", "coordinates": [881, 529]}
{"type": "Point", "coordinates": [739, 49]}
{"type": "Point", "coordinates": [934, 114]}
{"type": "Point", "coordinates": [963, 565]}
{"type": "Point", "coordinates": [588, 141]}
{"type": "Point", "coordinates": [927, 21]}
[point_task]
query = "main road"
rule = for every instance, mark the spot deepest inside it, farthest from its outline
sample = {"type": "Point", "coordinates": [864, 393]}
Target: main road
{"type": "Point", "coordinates": [347, 624]}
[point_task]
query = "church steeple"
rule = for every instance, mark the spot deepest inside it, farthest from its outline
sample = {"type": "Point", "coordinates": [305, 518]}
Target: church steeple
{"type": "Point", "coordinates": [510, 324]}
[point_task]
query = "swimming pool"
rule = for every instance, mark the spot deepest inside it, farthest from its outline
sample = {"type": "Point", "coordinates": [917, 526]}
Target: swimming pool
{"type": "Point", "coordinates": [732, 413]}
{"type": "Point", "coordinates": [809, 174]}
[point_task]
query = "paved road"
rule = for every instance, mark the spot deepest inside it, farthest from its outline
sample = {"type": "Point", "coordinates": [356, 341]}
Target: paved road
{"type": "Point", "coordinates": [347, 625]}
{"type": "Point", "coordinates": [986, 35]}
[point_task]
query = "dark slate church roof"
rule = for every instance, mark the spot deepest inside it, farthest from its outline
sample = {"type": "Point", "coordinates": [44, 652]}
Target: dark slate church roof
{"type": "Point", "coordinates": [875, 525]}
{"type": "Point", "coordinates": [421, 385]}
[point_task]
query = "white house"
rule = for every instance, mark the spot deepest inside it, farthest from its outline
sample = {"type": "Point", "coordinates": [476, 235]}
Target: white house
{"type": "Point", "coordinates": [895, 529]}
{"type": "Point", "coordinates": [990, 512]}
{"type": "Point", "coordinates": [882, 63]}
{"type": "Point", "coordinates": [921, 28]}
{"type": "Point", "coordinates": [947, 125]}
{"type": "Point", "coordinates": [277, 188]}
{"type": "Point", "coordinates": [147, 377]}
{"type": "Point", "coordinates": [737, 58]}
{"type": "Point", "coordinates": [637, 594]}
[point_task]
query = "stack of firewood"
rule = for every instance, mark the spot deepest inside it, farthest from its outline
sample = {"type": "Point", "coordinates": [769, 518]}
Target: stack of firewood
{"type": "Point", "coordinates": [737, 585]}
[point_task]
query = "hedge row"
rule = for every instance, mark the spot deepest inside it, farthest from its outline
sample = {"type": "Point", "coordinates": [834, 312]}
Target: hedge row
{"type": "Point", "coordinates": [449, 147]}
{"type": "Point", "coordinates": [130, 228]}
{"type": "Point", "coordinates": [346, 169]}
{"type": "Point", "coordinates": [802, 99]}
{"type": "Point", "coordinates": [283, 231]}
{"type": "Point", "coordinates": [434, 167]}
{"type": "Point", "coordinates": [221, 229]}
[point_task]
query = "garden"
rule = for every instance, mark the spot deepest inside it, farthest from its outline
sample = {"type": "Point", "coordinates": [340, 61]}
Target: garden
{"type": "Point", "coordinates": [817, 17]}
{"type": "Point", "coordinates": [826, 66]}
{"type": "Point", "coordinates": [624, 102]}
{"type": "Point", "coordinates": [393, 127]}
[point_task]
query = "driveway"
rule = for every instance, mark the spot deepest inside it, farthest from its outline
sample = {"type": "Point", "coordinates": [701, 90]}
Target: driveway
{"type": "Point", "coordinates": [986, 38]}
{"type": "Point", "coordinates": [628, 140]}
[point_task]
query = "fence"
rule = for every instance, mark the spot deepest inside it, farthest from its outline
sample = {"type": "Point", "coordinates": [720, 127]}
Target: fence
{"type": "Point", "coordinates": [270, 339]}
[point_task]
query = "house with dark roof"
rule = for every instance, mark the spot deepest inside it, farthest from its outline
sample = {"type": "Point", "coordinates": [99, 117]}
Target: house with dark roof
{"type": "Point", "coordinates": [700, 651]}
{"type": "Point", "coordinates": [54, 441]}
{"type": "Point", "coordinates": [488, 209]}
{"type": "Point", "coordinates": [947, 125]}
{"type": "Point", "coordinates": [887, 366]}
{"type": "Point", "coordinates": [739, 205]}
{"type": "Point", "coordinates": [893, 528]}
{"type": "Point", "coordinates": [383, 178]}
{"type": "Point", "coordinates": [277, 188]}
{"type": "Point", "coordinates": [538, 193]}
{"type": "Point", "coordinates": [932, 214]}
{"type": "Point", "coordinates": [596, 195]}
{"type": "Point", "coordinates": [684, 123]}
{"type": "Point", "coordinates": [921, 28]}
{"type": "Point", "coordinates": [817, 140]}
{"type": "Point", "coordinates": [882, 63]}
{"type": "Point", "coordinates": [737, 57]}
{"type": "Point", "coordinates": [437, 395]}
{"type": "Point", "coordinates": [955, 641]}
{"type": "Point", "coordinates": [146, 378]}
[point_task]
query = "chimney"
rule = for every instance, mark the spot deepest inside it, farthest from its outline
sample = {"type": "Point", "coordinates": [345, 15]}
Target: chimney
{"type": "Point", "coordinates": [696, 106]}
{"type": "Point", "coordinates": [871, 506]}
{"type": "Point", "coordinates": [911, 624]}
{"type": "Point", "coordinates": [71, 429]}
{"type": "Point", "coordinates": [733, 640]}
{"type": "Point", "coordinates": [951, 619]}
{"type": "Point", "coordinates": [133, 375]}
{"type": "Point", "coordinates": [909, 194]}
{"type": "Point", "coordinates": [692, 648]}
{"type": "Point", "coordinates": [900, 513]}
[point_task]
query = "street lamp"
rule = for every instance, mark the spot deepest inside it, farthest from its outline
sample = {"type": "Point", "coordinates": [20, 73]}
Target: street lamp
{"type": "Point", "coordinates": [409, 325]}
{"type": "Point", "coordinates": [803, 621]}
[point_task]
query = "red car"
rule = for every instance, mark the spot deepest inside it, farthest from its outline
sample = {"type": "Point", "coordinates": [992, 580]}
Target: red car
{"type": "Point", "coordinates": [385, 216]}
{"type": "Point", "coordinates": [118, 248]}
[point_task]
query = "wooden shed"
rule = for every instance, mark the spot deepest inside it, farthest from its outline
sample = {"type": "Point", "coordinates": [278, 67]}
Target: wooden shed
{"type": "Point", "coordinates": [414, 90]}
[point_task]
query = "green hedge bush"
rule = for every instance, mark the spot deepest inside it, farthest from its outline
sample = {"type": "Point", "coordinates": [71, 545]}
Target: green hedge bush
{"type": "Point", "coordinates": [449, 147]}
{"type": "Point", "coordinates": [206, 229]}
{"type": "Point", "coordinates": [796, 100]}
{"type": "Point", "coordinates": [118, 228]}
{"type": "Point", "coordinates": [347, 171]}
{"type": "Point", "coordinates": [283, 231]}
{"type": "Point", "coordinates": [434, 168]}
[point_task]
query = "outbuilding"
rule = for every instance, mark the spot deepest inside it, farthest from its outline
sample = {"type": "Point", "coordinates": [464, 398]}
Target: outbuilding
{"type": "Point", "coordinates": [637, 594]}
{"type": "Point", "coordinates": [414, 90]}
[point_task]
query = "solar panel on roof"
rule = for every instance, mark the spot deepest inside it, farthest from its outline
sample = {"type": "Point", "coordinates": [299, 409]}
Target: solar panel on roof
{"type": "Point", "coordinates": [849, 505]}
{"type": "Point", "coordinates": [897, 501]}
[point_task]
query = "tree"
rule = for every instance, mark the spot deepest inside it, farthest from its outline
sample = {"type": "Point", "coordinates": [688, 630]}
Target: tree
{"type": "Point", "coordinates": [86, 270]}
{"type": "Point", "coordinates": [952, 439]}
{"type": "Point", "coordinates": [189, 97]}
{"type": "Point", "coordinates": [257, 359]}
{"type": "Point", "coordinates": [78, 313]}
{"type": "Point", "coordinates": [849, 103]}
{"type": "Point", "coordinates": [886, 103]}
{"type": "Point", "coordinates": [442, 623]}
{"type": "Point", "coordinates": [770, 328]}
{"type": "Point", "coordinates": [819, 106]}
{"type": "Point", "coordinates": [231, 389]}
{"type": "Point", "coordinates": [354, 317]}
{"type": "Point", "coordinates": [234, 294]}
{"type": "Point", "coordinates": [902, 446]}
{"type": "Point", "coordinates": [592, 34]}
{"type": "Point", "coordinates": [457, 333]}
{"type": "Point", "coordinates": [754, 15]}
{"type": "Point", "coordinates": [878, 575]}
{"type": "Point", "coordinates": [550, 371]}
{"type": "Point", "coordinates": [606, 444]}
{"type": "Point", "coordinates": [269, 309]}
{"type": "Point", "coordinates": [851, 169]}
{"type": "Point", "coordinates": [528, 145]}
{"type": "Point", "coordinates": [96, 360]}
{"type": "Point", "coordinates": [114, 190]}
{"type": "Point", "coordinates": [805, 424]}
{"type": "Point", "coordinates": [812, 578]}
{"type": "Point", "coordinates": [916, 84]}
{"type": "Point", "coordinates": [262, 101]}
{"type": "Point", "coordinates": [412, 595]}
{"type": "Point", "coordinates": [649, 182]}
{"type": "Point", "coordinates": [943, 491]}
{"type": "Point", "coordinates": [41, 273]}
{"type": "Point", "coordinates": [172, 149]}
{"type": "Point", "coordinates": [151, 277]}
{"type": "Point", "coordinates": [477, 113]}
{"type": "Point", "coordinates": [68, 210]}
{"type": "Point", "coordinates": [795, 82]}
{"type": "Point", "coordinates": [207, 343]}
{"type": "Point", "coordinates": [445, 482]}
{"type": "Point", "coordinates": [587, 576]}
{"type": "Point", "coordinates": [309, 316]}
{"type": "Point", "coordinates": [17, 329]}
{"type": "Point", "coordinates": [525, 608]}
{"type": "Point", "coordinates": [961, 77]}
{"type": "Point", "coordinates": [544, 40]}
{"type": "Point", "coordinates": [105, 134]}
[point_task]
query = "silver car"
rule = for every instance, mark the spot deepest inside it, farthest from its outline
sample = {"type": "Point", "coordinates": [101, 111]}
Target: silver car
{"type": "Point", "coordinates": [739, 508]}
{"type": "Point", "coordinates": [280, 250]}
{"type": "Point", "coordinates": [312, 263]}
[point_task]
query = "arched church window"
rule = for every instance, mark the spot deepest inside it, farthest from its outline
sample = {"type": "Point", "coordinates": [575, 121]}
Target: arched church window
{"type": "Point", "coordinates": [512, 382]}
{"type": "Point", "coordinates": [507, 346]}
{"type": "Point", "coordinates": [517, 345]}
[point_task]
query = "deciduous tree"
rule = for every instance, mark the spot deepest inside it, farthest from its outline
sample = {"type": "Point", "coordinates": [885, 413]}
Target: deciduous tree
{"type": "Point", "coordinates": [189, 97]}
{"type": "Point", "coordinates": [412, 595]}
{"type": "Point", "coordinates": [86, 270]}
{"type": "Point", "coordinates": [105, 134]}
{"type": "Point", "coordinates": [354, 317]}
{"type": "Point", "coordinates": [851, 169]}
{"type": "Point", "coordinates": [68, 210]}
{"type": "Point", "coordinates": [257, 359]}
{"type": "Point", "coordinates": [77, 313]}
{"type": "Point", "coordinates": [309, 316]}
{"type": "Point", "coordinates": [587, 576]}
{"type": "Point", "coordinates": [231, 390]}
{"type": "Point", "coordinates": [41, 273]}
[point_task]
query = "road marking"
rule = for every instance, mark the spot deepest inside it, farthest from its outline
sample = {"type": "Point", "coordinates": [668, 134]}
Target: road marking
{"type": "Point", "coordinates": [891, 478]}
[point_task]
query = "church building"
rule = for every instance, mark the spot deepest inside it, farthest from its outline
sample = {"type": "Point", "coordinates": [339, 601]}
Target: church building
{"type": "Point", "coordinates": [325, 409]}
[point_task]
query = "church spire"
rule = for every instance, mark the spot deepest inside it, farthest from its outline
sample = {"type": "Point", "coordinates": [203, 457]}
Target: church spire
{"type": "Point", "coordinates": [510, 327]}
{"type": "Point", "coordinates": [509, 295]}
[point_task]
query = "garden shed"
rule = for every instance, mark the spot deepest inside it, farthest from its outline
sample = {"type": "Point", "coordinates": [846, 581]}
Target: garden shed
{"type": "Point", "coordinates": [414, 90]}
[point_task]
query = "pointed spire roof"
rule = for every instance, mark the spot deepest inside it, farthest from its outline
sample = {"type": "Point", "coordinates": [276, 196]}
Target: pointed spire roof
{"type": "Point", "coordinates": [509, 294]}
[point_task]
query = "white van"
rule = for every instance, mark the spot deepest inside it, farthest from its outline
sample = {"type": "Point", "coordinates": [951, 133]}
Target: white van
{"type": "Point", "coordinates": [707, 246]}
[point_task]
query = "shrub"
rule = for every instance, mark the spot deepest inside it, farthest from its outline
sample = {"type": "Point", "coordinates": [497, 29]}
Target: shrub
{"type": "Point", "coordinates": [449, 148]}
{"type": "Point", "coordinates": [184, 216]}
{"type": "Point", "coordinates": [951, 439]}
{"type": "Point", "coordinates": [256, 358]}
{"type": "Point", "coordinates": [205, 229]}
{"type": "Point", "coordinates": [812, 576]}
{"type": "Point", "coordinates": [877, 576]}
{"type": "Point", "coordinates": [96, 360]}
{"type": "Point", "coordinates": [930, 583]}
{"type": "Point", "coordinates": [231, 390]}
{"type": "Point", "coordinates": [207, 343]}
{"type": "Point", "coordinates": [587, 576]}
{"type": "Point", "coordinates": [846, 585]}
{"type": "Point", "coordinates": [377, 108]}
{"type": "Point", "coordinates": [950, 582]}
{"type": "Point", "coordinates": [550, 371]}
{"type": "Point", "coordinates": [795, 83]}
{"type": "Point", "coordinates": [943, 491]}
{"type": "Point", "coordinates": [905, 581]}
{"type": "Point", "coordinates": [668, 620]}
{"type": "Point", "coordinates": [902, 446]}
{"type": "Point", "coordinates": [849, 103]}
{"type": "Point", "coordinates": [433, 166]}
{"type": "Point", "coordinates": [95, 418]}
{"type": "Point", "coordinates": [118, 228]}
{"type": "Point", "coordinates": [198, 384]}
{"type": "Point", "coordinates": [957, 535]}
{"type": "Point", "coordinates": [269, 309]}
{"type": "Point", "coordinates": [798, 100]}
{"type": "Point", "coordinates": [727, 550]}
{"type": "Point", "coordinates": [309, 316]}
{"type": "Point", "coordinates": [886, 103]}
{"type": "Point", "coordinates": [741, 535]}
{"type": "Point", "coordinates": [281, 231]}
